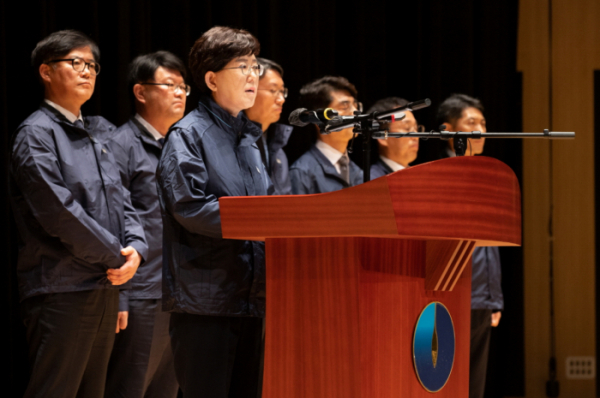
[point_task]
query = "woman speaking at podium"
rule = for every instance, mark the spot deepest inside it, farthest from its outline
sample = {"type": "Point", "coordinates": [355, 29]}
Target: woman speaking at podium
{"type": "Point", "coordinates": [215, 287]}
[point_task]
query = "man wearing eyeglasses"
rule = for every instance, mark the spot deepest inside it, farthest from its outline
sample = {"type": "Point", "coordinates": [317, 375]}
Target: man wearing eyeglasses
{"type": "Point", "coordinates": [142, 361]}
{"type": "Point", "coordinates": [326, 167]}
{"type": "Point", "coordinates": [461, 112]}
{"type": "Point", "coordinates": [266, 112]}
{"type": "Point", "coordinates": [81, 239]}
{"type": "Point", "coordinates": [395, 153]}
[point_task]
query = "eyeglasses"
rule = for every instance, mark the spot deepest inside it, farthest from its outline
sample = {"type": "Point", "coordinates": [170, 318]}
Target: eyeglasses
{"type": "Point", "coordinates": [79, 65]}
{"type": "Point", "coordinates": [257, 70]}
{"type": "Point", "coordinates": [410, 129]}
{"type": "Point", "coordinates": [348, 107]}
{"type": "Point", "coordinates": [275, 93]}
{"type": "Point", "coordinates": [184, 88]}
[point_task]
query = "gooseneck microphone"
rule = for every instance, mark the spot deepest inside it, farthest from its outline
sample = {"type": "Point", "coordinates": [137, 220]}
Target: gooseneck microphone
{"type": "Point", "coordinates": [302, 116]}
{"type": "Point", "coordinates": [396, 112]}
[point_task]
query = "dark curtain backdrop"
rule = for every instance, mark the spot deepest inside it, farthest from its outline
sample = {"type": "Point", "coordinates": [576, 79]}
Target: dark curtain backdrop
{"type": "Point", "coordinates": [417, 49]}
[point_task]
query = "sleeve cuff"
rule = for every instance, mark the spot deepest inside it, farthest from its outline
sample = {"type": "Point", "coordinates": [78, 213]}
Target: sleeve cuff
{"type": "Point", "coordinates": [123, 300]}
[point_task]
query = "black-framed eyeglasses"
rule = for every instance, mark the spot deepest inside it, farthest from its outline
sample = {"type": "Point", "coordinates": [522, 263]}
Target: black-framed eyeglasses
{"type": "Point", "coordinates": [172, 87]}
{"type": "Point", "coordinates": [79, 64]}
{"type": "Point", "coordinates": [275, 93]}
{"type": "Point", "coordinates": [257, 70]}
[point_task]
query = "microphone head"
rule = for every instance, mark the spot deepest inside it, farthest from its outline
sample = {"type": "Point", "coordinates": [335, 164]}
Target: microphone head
{"type": "Point", "coordinates": [416, 105]}
{"type": "Point", "coordinates": [294, 118]}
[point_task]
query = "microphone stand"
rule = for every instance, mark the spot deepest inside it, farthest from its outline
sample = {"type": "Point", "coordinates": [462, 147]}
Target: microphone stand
{"type": "Point", "coordinates": [370, 130]}
{"type": "Point", "coordinates": [461, 137]}
{"type": "Point", "coordinates": [367, 125]}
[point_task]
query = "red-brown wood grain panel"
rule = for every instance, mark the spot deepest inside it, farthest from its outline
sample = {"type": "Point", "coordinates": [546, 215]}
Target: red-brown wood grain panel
{"type": "Point", "coordinates": [346, 273]}
{"type": "Point", "coordinates": [312, 342]}
{"type": "Point", "coordinates": [362, 210]}
{"type": "Point", "coordinates": [341, 314]}
{"type": "Point", "coordinates": [390, 304]}
{"type": "Point", "coordinates": [474, 198]}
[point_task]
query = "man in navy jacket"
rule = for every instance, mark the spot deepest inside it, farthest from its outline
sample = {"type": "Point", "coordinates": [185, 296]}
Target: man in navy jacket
{"type": "Point", "coordinates": [265, 112]}
{"type": "Point", "coordinates": [81, 239]}
{"type": "Point", "coordinates": [326, 167]}
{"type": "Point", "coordinates": [395, 153]}
{"type": "Point", "coordinates": [142, 361]}
{"type": "Point", "coordinates": [460, 112]}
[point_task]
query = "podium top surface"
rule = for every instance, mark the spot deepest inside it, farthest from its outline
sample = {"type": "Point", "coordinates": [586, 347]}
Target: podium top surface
{"type": "Point", "coordinates": [475, 198]}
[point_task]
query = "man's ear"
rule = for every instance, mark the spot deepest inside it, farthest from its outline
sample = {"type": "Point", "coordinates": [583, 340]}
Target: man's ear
{"type": "Point", "coordinates": [44, 71]}
{"type": "Point", "coordinates": [139, 93]}
{"type": "Point", "coordinates": [210, 78]}
{"type": "Point", "coordinates": [382, 142]}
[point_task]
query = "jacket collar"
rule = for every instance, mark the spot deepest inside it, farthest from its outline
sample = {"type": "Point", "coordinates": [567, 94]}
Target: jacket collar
{"type": "Point", "coordinates": [65, 112]}
{"type": "Point", "coordinates": [240, 127]}
{"type": "Point", "coordinates": [142, 133]}
{"type": "Point", "coordinates": [328, 168]}
{"type": "Point", "coordinates": [59, 118]}
{"type": "Point", "coordinates": [385, 166]}
{"type": "Point", "coordinates": [278, 136]}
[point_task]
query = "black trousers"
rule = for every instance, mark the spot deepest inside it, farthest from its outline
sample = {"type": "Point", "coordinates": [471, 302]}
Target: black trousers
{"type": "Point", "coordinates": [481, 330]}
{"type": "Point", "coordinates": [217, 356]}
{"type": "Point", "coordinates": [141, 364]}
{"type": "Point", "coordinates": [70, 338]}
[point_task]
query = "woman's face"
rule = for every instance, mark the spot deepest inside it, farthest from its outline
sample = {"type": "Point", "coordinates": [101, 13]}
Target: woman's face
{"type": "Point", "coordinates": [231, 89]}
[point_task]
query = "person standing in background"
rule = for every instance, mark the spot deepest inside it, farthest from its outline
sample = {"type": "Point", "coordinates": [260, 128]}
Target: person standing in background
{"type": "Point", "coordinates": [141, 363]}
{"type": "Point", "coordinates": [395, 153]}
{"type": "Point", "coordinates": [326, 167]}
{"type": "Point", "coordinates": [460, 112]}
{"type": "Point", "coordinates": [266, 111]}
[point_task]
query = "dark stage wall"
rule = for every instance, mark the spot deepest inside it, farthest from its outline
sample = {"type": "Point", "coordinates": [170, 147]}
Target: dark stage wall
{"type": "Point", "coordinates": [410, 49]}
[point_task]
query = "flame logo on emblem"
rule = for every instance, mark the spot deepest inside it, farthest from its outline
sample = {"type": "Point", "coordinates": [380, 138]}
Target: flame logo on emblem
{"type": "Point", "coordinates": [433, 347]}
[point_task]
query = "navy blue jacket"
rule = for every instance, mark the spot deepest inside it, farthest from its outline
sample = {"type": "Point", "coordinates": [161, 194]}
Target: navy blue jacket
{"type": "Point", "coordinates": [278, 168]}
{"type": "Point", "coordinates": [486, 289]}
{"type": "Point", "coordinates": [210, 154]}
{"type": "Point", "coordinates": [137, 153]}
{"type": "Point", "coordinates": [380, 169]}
{"type": "Point", "coordinates": [72, 212]}
{"type": "Point", "coordinates": [314, 173]}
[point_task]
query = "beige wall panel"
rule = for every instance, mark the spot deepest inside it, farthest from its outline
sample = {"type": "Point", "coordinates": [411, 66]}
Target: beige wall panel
{"type": "Point", "coordinates": [573, 64]}
{"type": "Point", "coordinates": [576, 51]}
{"type": "Point", "coordinates": [533, 63]}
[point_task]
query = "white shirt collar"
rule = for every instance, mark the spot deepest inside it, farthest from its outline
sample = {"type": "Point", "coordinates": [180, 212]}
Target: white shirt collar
{"type": "Point", "coordinates": [157, 136]}
{"type": "Point", "coordinates": [393, 165]}
{"type": "Point", "coordinates": [70, 116]}
{"type": "Point", "coordinates": [332, 154]}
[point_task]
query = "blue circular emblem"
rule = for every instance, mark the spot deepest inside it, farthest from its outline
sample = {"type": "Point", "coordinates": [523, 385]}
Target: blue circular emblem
{"type": "Point", "coordinates": [433, 347]}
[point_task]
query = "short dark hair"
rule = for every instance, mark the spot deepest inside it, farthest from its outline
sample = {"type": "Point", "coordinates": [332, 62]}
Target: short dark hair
{"type": "Point", "coordinates": [384, 105]}
{"type": "Point", "coordinates": [317, 94]}
{"type": "Point", "coordinates": [452, 108]}
{"type": "Point", "coordinates": [216, 48]}
{"type": "Point", "coordinates": [143, 67]}
{"type": "Point", "coordinates": [59, 44]}
{"type": "Point", "coordinates": [268, 64]}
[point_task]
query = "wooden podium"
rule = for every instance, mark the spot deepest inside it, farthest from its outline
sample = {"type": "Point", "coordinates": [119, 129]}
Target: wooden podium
{"type": "Point", "coordinates": [349, 272]}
